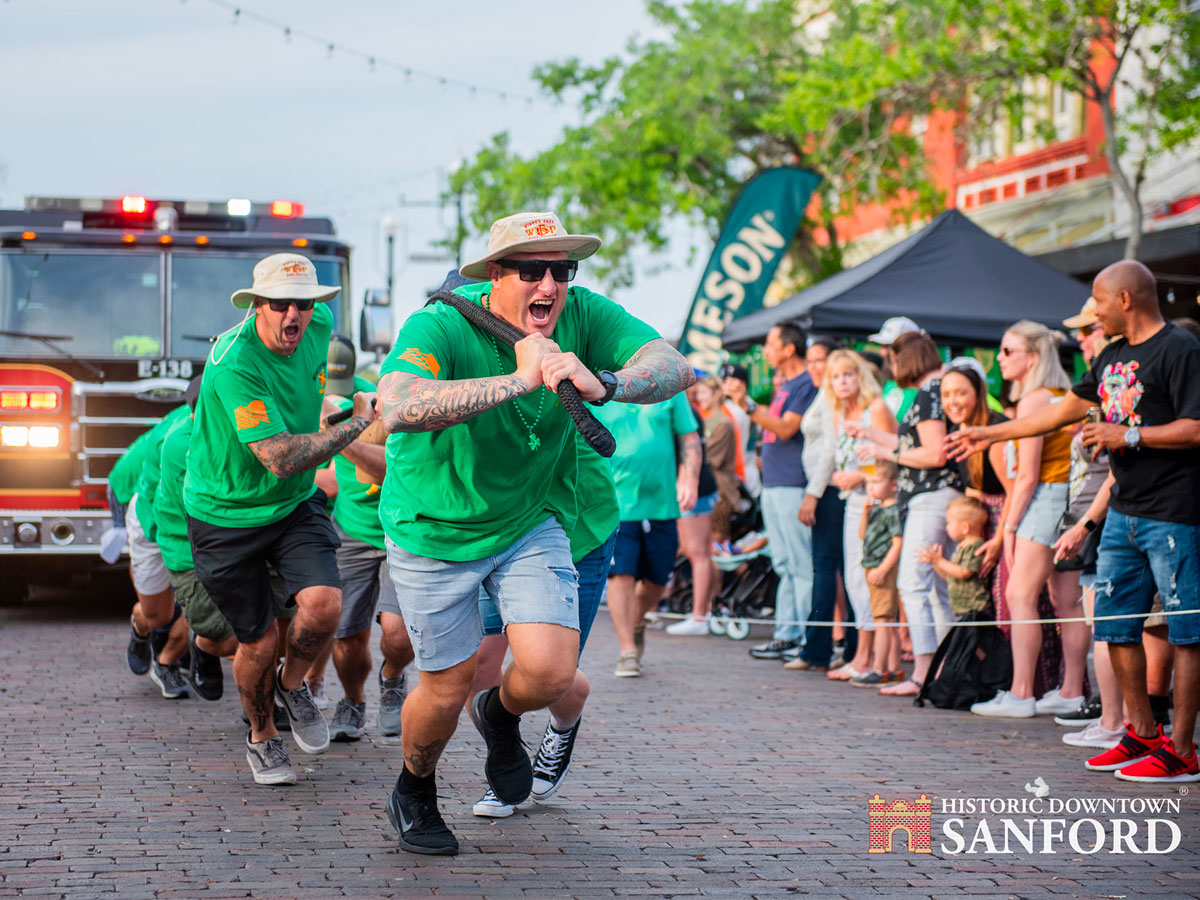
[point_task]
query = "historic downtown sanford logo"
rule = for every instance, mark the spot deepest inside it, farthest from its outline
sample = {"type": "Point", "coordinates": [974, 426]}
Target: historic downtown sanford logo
{"type": "Point", "coordinates": [999, 826]}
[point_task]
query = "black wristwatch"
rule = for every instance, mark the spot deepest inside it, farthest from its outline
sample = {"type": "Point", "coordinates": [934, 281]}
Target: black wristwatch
{"type": "Point", "coordinates": [1088, 525]}
{"type": "Point", "coordinates": [609, 380]}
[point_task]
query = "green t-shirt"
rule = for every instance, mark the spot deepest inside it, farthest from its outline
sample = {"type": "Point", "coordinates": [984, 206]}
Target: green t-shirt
{"type": "Point", "coordinates": [250, 393]}
{"type": "Point", "coordinates": [469, 491]}
{"type": "Point", "coordinates": [356, 506]}
{"type": "Point", "coordinates": [644, 466]}
{"type": "Point", "coordinates": [147, 483]}
{"type": "Point", "coordinates": [592, 494]}
{"type": "Point", "coordinates": [898, 399]}
{"type": "Point", "coordinates": [124, 476]}
{"type": "Point", "coordinates": [168, 501]}
{"type": "Point", "coordinates": [969, 595]}
{"type": "Point", "coordinates": [883, 524]}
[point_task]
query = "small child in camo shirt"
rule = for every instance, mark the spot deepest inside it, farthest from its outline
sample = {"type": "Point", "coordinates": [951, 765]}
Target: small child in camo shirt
{"type": "Point", "coordinates": [969, 591]}
{"type": "Point", "coordinates": [881, 536]}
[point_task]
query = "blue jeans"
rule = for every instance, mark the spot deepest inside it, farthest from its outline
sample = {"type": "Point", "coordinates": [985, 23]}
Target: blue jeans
{"type": "Point", "coordinates": [827, 564]}
{"type": "Point", "coordinates": [792, 558]}
{"type": "Point", "coordinates": [1136, 557]}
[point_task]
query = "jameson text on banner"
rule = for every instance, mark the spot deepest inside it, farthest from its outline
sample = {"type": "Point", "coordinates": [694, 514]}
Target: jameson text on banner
{"type": "Point", "coordinates": [753, 240]}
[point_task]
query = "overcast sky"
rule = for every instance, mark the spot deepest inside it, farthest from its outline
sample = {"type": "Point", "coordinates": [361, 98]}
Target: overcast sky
{"type": "Point", "coordinates": [171, 99]}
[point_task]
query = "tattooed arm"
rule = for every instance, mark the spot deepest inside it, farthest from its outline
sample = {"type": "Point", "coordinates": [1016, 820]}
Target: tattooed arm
{"type": "Point", "coordinates": [285, 454]}
{"type": "Point", "coordinates": [655, 372]}
{"type": "Point", "coordinates": [412, 403]}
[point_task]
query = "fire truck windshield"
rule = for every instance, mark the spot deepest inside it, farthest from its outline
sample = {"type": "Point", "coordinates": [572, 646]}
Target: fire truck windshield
{"type": "Point", "coordinates": [102, 305]}
{"type": "Point", "coordinates": [105, 305]}
{"type": "Point", "coordinates": [201, 284]}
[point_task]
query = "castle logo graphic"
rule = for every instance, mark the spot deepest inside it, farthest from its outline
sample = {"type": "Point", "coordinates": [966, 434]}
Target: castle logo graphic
{"type": "Point", "coordinates": [886, 819]}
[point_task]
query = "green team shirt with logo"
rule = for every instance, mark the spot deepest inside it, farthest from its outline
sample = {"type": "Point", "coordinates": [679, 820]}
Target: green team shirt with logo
{"type": "Point", "coordinates": [147, 483]}
{"type": "Point", "coordinates": [468, 491]}
{"type": "Point", "coordinates": [583, 491]}
{"type": "Point", "coordinates": [169, 513]}
{"type": "Point", "coordinates": [250, 393]}
{"type": "Point", "coordinates": [356, 506]}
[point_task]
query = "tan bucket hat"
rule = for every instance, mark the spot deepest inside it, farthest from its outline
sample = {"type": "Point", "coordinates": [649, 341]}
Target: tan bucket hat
{"type": "Point", "coordinates": [1086, 317]}
{"type": "Point", "coordinates": [528, 232]}
{"type": "Point", "coordinates": [284, 276]}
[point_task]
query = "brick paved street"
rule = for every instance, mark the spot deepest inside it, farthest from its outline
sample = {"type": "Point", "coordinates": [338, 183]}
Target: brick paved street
{"type": "Point", "coordinates": [714, 775]}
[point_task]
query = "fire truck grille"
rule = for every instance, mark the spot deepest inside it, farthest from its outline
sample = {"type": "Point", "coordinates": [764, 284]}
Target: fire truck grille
{"type": "Point", "coordinates": [109, 422]}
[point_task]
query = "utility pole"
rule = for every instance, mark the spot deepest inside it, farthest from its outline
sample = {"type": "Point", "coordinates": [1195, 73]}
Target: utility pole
{"type": "Point", "coordinates": [389, 230]}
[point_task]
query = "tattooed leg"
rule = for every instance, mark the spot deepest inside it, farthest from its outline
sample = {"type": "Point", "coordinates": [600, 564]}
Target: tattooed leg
{"type": "Point", "coordinates": [430, 714]}
{"type": "Point", "coordinates": [655, 372]}
{"type": "Point", "coordinates": [311, 631]}
{"type": "Point", "coordinates": [254, 673]}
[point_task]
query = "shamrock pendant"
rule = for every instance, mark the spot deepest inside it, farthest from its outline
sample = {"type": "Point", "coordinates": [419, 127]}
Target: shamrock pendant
{"type": "Point", "coordinates": [534, 441]}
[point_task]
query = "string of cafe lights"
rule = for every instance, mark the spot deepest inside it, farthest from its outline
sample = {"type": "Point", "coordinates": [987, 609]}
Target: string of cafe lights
{"type": "Point", "coordinates": [374, 61]}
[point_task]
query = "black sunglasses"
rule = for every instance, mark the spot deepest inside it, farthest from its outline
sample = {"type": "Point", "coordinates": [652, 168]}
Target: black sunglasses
{"type": "Point", "coordinates": [561, 270]}
{"type": "Point", "coordinates": [282, 305]}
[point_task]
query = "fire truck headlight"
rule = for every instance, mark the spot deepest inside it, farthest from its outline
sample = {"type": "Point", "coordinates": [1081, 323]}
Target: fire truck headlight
{"type": "Point", "coordinates": [14, 436]}
{"type": "Point", "coordinates": [43, 436]}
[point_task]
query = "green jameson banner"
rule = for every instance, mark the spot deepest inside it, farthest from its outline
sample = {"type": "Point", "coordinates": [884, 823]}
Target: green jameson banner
{"type": "Point", "coordinates": [755, 235]}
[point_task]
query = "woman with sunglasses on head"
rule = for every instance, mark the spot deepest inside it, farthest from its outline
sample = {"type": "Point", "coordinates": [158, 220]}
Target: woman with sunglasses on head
{"type": "Point", "coordinates": [1029, 359]}
{"type": "Point", "coordinates": [964, 397]}
{"type": "Point", "coordinates": [928, 481]}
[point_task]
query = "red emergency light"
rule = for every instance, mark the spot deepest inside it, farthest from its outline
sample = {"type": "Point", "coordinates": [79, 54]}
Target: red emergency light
{"type": "Point", "coordinates": [135, 205]}
{"type": "Point", "coordinates": [286, 209]}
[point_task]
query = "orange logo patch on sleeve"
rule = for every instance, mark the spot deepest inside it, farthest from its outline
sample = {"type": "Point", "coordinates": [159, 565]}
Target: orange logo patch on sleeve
{"type": "Point", "coordinates": [251, 415]}
{"type": "Point", "coordinates": [425, 361]}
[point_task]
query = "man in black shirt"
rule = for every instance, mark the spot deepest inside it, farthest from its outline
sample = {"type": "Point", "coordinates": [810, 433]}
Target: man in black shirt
{"type": "Point", "coordinates": [1147, 385]}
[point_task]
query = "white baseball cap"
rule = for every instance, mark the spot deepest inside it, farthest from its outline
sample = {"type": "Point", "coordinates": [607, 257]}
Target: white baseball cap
{"type": "Point", "coordinates": [284, 276]}
{"type": "Point", "coordinates": [892, 329]}
{"type": "Point", "coordinates": [969, 362]}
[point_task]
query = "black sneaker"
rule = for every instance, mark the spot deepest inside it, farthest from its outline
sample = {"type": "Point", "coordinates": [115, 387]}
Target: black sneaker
{"type": "Point", "coordinates": [553, 759]}
{"type": "Point", "coordinates": [773, 649]}
{"type": "Point", "coordinates": [169, 679]}
{"type": "Point", "coordinates": [1088, 711]}
{"type": "Point", "coordinates": [508, 770]}
{"type": "Point", "coordinates": [348, 721]}
{"type": "Point", "coordinates": [419, 824]}
{"type": "Point", "coordinates": [137, 654]}
{"type": "Point", "coordinates": [204, 674]}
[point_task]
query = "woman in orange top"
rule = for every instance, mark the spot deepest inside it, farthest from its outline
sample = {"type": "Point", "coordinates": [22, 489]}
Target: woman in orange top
{"type": "Point", "coordinates": [1029, 359]}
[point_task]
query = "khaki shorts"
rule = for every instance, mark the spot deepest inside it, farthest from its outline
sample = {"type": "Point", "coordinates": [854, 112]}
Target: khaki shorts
{"type": "Point", "coordinates": [885, 599]}
{"type": "Point", "coordinates": [149, 573]}
{"type": "Point", "coordinates": [202, 614]}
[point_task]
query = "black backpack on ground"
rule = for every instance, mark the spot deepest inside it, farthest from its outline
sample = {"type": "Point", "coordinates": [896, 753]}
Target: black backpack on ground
{"type": "Point", "coordinates": [971, 664]}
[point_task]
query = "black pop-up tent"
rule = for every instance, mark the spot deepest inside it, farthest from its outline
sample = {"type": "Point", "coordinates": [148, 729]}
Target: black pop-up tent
{"type": "Point", "coordinates": [952, 278]}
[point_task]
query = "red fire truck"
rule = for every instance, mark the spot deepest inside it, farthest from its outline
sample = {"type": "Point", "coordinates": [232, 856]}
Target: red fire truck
{"type": "Point", "coordinates": [107, 308]}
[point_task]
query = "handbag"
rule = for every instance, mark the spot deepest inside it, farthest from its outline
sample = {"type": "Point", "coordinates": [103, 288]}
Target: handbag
{"type": "Point", "coordinates": [1089, 550]}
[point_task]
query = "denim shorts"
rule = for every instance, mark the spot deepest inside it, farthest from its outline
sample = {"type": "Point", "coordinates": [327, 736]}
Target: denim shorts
{"type": "Point", "coordinates": [1137, 557]}
{"type": "Point", "coordinates": [365, 581]}
{"type": "Point", "coordinates": [531, 581]}
{"type": "Point", "coordinates": [1040, 523]}
{"type": "Point", "coordinates": [704, 506]}
{"type": "Point", "coordinates": [593, 578]}
{"type": "Point", "coordinates": [646, 550]}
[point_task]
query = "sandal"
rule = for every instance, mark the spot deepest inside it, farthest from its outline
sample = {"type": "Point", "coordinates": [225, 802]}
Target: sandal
{"type": "Point", "coordinates": [844, 673]}
{"type": "Point", "coordinates": [907, 688]}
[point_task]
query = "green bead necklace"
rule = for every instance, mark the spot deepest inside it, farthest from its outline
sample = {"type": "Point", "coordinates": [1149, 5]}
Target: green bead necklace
{"type": "Point", "coordinates": [534, 440]}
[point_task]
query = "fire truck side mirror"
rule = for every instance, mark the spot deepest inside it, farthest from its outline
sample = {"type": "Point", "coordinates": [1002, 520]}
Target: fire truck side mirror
{"type": "Point", "coordinates": [377, 297]}
{"type": "Point", "coordinates": [375, 329]}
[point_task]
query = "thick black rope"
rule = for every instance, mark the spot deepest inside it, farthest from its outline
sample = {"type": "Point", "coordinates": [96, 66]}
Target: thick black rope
{"type": "Point", "coordinates": [598, 437]}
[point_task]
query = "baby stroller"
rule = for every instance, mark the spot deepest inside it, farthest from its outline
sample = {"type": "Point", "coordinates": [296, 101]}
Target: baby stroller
{"type": "Point", "coordinates": [748, 583]}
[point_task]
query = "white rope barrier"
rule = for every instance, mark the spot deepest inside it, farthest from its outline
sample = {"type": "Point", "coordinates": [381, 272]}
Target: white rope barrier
{"type": "Point", "coordinates": [947, 624]}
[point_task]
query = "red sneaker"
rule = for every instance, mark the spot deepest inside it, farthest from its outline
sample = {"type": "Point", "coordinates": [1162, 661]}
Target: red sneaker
{"type": "Point", "coordinates": [1130, 748]}
{"type": "Point", "coordinates": [1164, 765]}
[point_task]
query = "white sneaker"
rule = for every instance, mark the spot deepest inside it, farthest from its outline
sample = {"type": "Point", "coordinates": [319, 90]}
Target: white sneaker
{"type": "Point", "coordinates": [1056, 703]}
{"type": "Point", "coordinates": [1094, 735]}
{"type": "Point", "coordinates": [1005, 706]}
{"type": "Point", "coordinates": [492, 807]}
{"type": "Point", "coordinates": [689, 626]}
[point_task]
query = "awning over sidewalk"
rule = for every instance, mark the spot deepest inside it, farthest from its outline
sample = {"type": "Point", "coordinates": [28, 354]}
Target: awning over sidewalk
{"type": "Point", "coordinates": [954, 279]}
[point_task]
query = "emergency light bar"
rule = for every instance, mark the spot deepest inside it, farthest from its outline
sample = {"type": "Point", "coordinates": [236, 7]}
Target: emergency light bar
{"type": "Point", "coordinates": [139, 207]}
